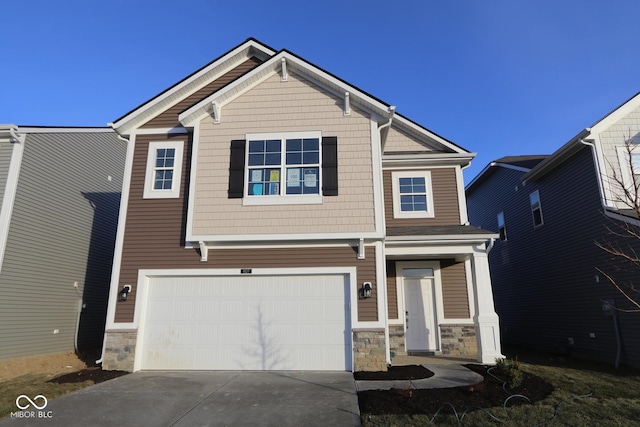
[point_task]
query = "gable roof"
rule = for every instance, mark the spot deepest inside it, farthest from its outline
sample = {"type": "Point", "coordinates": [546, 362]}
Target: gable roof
{"type": "Point", "coordinates": [272, 63]}
{"type": "Point", "coordinates": [251, 48]}
{"type": "Point", "coordinates": [523, 164]}
{"type": "Point", "coordinates": [285, 60]}
{"type": "Point", "coordinates": [575, 144]}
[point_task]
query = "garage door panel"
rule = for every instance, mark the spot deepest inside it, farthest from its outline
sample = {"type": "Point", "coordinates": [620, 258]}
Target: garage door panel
{"type": "Point", "coordinates": [251, 323]}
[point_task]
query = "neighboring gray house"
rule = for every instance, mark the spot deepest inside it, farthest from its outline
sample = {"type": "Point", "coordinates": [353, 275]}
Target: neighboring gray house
{"type": "Point", "coordinates": [550, 211]}
{"type": "Point", "coordinates": [59, 198]}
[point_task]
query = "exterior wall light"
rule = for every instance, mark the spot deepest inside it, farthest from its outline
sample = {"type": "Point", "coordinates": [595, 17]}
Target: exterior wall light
{"type": "Point", "coordinates": [122, 296]}
{"type": "Point", "coordinates": [366, 290]}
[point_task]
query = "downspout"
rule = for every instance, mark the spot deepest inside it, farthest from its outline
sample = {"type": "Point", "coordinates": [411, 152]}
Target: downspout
{"type": "Point", "coordinates": [598, 173]}
{"type": "Point", "coordinates": [392, 111]}
{"type": "Point", "coordinates": [609, 306]}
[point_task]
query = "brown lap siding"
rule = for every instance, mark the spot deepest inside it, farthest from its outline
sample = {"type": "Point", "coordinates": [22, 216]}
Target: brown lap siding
{"type": "Point", "coordinates": [177, 257]}
{"type": "Point", "coordinates": [445, 200]}
{"type": "Point", "coordinates": [454, 289]}
{"type": "Point", "coordinates": [154, 234]}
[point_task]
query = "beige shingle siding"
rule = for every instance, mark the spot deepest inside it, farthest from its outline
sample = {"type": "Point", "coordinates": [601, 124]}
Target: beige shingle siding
{"type": "Point", "coordinates": [615, 136]}
{"type": "Point", "coordinates": [62, 231]}
{"type": "Point", "coordinates": [276, 106]}
{"type": "Point", "coordinates": [398, 141]}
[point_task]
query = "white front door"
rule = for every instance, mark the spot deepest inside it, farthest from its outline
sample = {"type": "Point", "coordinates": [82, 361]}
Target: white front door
{"type": "Point", "coordinates": [419, 305]}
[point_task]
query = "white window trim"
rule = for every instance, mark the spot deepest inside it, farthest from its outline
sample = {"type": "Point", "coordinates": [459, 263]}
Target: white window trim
{"type": "Point", "coordinates": [397, 212]}
{"type": "Point", "coordinates": [282, 199]}
{"type": "Point", "coordinates": [539, 208]}
{"type": "Point", "coordinates": [174, 192]}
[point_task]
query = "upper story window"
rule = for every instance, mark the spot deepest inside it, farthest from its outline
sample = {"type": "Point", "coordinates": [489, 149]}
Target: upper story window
{"type": "Point", "coordinates": [629, 159]}
{"type": "Point", "coordinates": [283, 168]}
{"type": "Point", "coordinates": [412, 194]}
{"type": "Point", "coordinates": [164, 170]}
{"type": "Point", "coordinates": [536, 208]}
{"type": "Point", "coordinates": [501, 227]}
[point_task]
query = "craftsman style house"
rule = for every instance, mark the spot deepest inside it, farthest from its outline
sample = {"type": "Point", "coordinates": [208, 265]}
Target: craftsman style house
{"type": "Point", "coordinates": [555, 213]}
{"type": "Point", "coordinates": [275, 217]}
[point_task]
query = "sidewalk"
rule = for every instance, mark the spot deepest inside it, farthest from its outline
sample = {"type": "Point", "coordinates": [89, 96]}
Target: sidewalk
{"type": "Point", "coordinates": [447, 372]}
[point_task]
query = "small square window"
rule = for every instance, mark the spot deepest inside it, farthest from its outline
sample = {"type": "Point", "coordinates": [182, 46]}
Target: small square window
{"type": "Point", "coordinates": [164, 167]}
{"type": "Point", "coordinates": [412, 195]}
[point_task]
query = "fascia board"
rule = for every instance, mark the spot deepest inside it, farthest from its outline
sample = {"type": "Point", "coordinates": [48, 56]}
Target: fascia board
{"type": "Point", "coordinates": [558, 157]}
{"type": "Point", "coordinates": [426, 159]}
{"type": "Point", "coordinates": [467, 238]}
{"type": "Point", "coordinates": [197, 80]}
{"type": "Point", "coordinates": [274, 238]}
{"type": "Point", "coordinates": [265, 70]}
{"type": "Point", "coordinates": [615, 115]}
{"type": "Point", "coordinates": [44, 129]}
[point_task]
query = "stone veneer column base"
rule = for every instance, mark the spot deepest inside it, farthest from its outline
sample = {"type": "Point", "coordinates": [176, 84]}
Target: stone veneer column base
{"type": "Point", "coordinates": [369, 350]}
{"type": "Point", "coordinates": [459, 340]}
{"type": "Point", "coordinates": [120, 350]}
{"type": "Point", "coordinates": [396, 340]}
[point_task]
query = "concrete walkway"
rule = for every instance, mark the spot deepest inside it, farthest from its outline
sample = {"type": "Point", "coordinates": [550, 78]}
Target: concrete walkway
{"type": "Point", "coordinates": [217, 398]}
{"type": "Point", "coordinates": [447, 372]}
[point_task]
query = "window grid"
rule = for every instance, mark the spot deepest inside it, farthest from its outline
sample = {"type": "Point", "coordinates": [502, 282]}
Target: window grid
{"type": "Point", "coordinates": [413, 194]}
{"type": "Point", "coordinates": [163, 170]}
{"type": "Point", "coordinates": [298, 174]}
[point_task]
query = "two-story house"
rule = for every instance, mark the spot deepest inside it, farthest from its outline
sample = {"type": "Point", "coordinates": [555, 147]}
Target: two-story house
{"type": "Point", "coordinates": [551, 278]}
{"type": "Point", "coordinates": [276, 217]}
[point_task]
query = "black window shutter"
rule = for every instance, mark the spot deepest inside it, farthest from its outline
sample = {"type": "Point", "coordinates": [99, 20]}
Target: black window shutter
{"type": "Point", "coordinates": [330, 165]}
{"type": "Point", "coordinates": [236, 169]}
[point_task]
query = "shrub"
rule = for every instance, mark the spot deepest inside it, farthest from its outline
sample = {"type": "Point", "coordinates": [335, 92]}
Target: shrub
{"type": "Point", "coordinates": [512, 369]}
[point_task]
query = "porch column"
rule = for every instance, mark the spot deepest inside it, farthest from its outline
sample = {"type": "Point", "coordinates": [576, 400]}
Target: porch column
{"type": "Point", "coordinates": [485, 319]}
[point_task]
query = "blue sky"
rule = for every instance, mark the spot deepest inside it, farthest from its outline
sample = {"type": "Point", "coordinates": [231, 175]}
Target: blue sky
{"type": "Point", "coordinates": [498, 77]}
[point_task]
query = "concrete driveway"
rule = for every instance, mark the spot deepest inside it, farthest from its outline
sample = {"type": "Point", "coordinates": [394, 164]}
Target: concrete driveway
{"type": "Point", "coordinates": [219, 398]}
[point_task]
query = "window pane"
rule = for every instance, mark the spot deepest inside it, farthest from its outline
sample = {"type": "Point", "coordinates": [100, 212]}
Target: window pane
{"type": "Point", "coordinates": [273, 146]}
{"type": "Point", "coordinates": [163, 180]}
{"type": "Point", "coordinates": [256, 147]}
{"type": "Point", "coordinates": [264, 182]}
{"type": "Point", "coordinates": [311, 144]}
{"type": "Point", "coordinates": [272, 159]}
{"type": "Point", "coordinates": [310, 158]}
{"type": "Point", "coordinates": [294, 145]}
{"type": "Point", "coordinates": [256, 159]}
{"type": "Point", "coordinates": [294, 158]}
{"type": "Point", "coordinates": [311, 181]}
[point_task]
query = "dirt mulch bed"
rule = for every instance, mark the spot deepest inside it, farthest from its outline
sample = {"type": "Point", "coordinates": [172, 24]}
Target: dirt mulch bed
{"type": "Point", "coordinates": [487, 394]}
{"type": "Point", "coordinates": [96, 375]}
{"type": "Point", "coordinates": [411, 372]}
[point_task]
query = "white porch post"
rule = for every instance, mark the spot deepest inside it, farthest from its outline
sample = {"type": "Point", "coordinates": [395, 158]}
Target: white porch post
{"type": "Point", "coordinates": [485, 319]}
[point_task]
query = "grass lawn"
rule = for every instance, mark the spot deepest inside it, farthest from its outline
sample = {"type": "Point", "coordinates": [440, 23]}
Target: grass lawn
{"type": "Point", "coordinates": [33, 385]}
{"type": "Point", "coordinates": [585, 394]}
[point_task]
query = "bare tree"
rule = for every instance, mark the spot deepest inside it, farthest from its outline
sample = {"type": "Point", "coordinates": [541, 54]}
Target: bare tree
{"type": "Point", "coordinates": [624, 235]}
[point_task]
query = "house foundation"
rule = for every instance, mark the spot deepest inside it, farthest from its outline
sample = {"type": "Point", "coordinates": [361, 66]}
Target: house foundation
{"type": "Point", "coordinates": [459, 340]}
{"type": "Point", "coordinates": [120, 350]}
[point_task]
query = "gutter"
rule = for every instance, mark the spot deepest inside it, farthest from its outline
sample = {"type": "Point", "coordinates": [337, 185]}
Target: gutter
{"type": "Point", "coordinates": [392, 111]}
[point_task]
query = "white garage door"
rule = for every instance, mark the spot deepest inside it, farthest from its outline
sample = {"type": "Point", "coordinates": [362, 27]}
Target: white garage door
{"type": "Point", "coordinates": [247, 323]}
